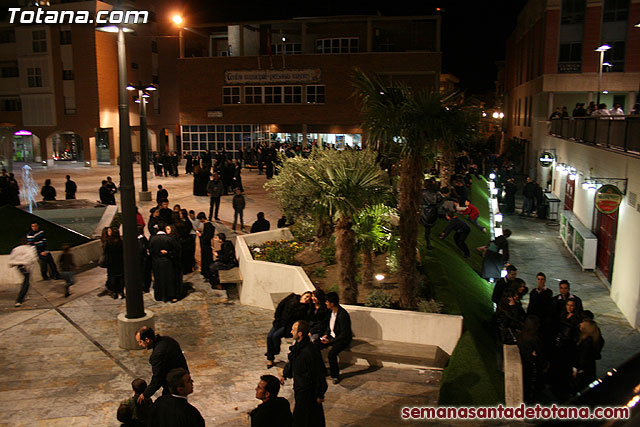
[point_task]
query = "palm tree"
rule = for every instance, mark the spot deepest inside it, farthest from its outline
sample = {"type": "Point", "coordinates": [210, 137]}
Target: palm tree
{"type": "Point", "coordinates": [406, 125]}
{"type": "Point", "coordinates": [372, 233]}
{"type": "Point", "coordinates": [347, 183]}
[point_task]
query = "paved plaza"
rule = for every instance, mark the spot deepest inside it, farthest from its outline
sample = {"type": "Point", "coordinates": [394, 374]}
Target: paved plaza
{"type": "Point", "coordinates": [63, 367]}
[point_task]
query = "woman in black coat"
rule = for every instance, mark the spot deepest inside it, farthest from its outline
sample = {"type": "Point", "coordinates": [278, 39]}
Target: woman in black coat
{"type": "Point", "coordinates": [200, 181]}
{"type": "Point", "coordinates": [183, 228]}
{"type": "Point", "coordinates": [510, 317]}
{"type": "Point", "coordinates": [534, 358]}
{"type": "Point", "coordinates": [114, 259]}
{"type": "Point", "coordinates": [588, 351]}
{"type": "Point", "coordinates": [318, 315]}
{"type": "Point", "coordinates": [567, 335]}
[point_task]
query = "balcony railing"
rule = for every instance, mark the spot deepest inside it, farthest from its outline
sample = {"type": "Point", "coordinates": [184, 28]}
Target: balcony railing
{"type": "Point", "coordinates": [615, 132]}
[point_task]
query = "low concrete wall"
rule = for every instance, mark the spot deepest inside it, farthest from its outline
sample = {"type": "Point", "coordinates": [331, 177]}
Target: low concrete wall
{"type": "Point", "coordinates": [261, 279]}
{"type": "Point", "coordinates": [82, 255]}
{"type": "Point", "coordinates": [513, 380]}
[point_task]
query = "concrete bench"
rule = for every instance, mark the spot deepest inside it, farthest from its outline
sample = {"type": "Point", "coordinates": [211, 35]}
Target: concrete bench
{"type": "Point", "coordinates": [230, 276]}
{"type": "Point", "coordinates": [513, 381]}
{"type": "Point", "coordinates": [385, 353]}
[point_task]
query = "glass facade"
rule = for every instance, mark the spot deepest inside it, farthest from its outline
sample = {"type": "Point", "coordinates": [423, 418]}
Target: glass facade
{"type": "Point", "coordinates": [231, 138]}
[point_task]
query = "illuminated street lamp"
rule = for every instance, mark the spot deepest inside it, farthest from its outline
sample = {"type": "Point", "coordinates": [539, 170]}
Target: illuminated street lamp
{"type": "Point", "coordinates": [177, 19]}
{"type": "Point", "coordinates": [602, 49]}
{"type": "Point", "coordinates": [143, 94]}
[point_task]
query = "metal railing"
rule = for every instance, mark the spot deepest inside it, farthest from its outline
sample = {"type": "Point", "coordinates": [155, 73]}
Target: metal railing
{"type": "Point", "coordinates": [615, 132]}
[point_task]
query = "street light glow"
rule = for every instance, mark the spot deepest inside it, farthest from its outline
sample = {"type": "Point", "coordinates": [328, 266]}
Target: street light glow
{"type": "Point", "coordinates": [177, 19]}
{"type": "Point", "coordinates": [495, 115]}
{"type": "Point", "coordinates": [603, 48]}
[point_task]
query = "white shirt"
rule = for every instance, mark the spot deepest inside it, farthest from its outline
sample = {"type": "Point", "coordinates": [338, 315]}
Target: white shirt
{"type": "Point", "coordinates": [332, 322]}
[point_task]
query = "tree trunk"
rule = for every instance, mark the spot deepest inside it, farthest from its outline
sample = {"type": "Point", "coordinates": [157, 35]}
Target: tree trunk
{"type": "Point", "coordinates": [448, 168]}
{"type": "Point", "coordinates": [367, 269]}
{"type": "Point", "coordinates": [325, 229]}
{"type": "Point", "coordinates": [411, 176]}
{"type": "Point", "coordinates": [346, 259]}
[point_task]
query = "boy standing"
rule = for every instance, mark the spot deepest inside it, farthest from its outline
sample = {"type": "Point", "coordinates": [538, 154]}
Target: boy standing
{"type": "Point", "coordinates": [238, 209]}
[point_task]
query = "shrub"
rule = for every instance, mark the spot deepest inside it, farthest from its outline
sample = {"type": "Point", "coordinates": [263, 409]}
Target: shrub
{"type": "Point", "coordinates": [304, 229]}
{"type": "Point", "coordinates": [280, 251]}
{"type": "Point", "coordinates": [328, 254]}
{"type": "Point", "coordinates": [334, 288]}
{"type": "Point", "coordinates": [430, 306]}
{"type": "Point", "coordinates": [320, 272]}
{"type": "Point", "coordinates": [379, 298]}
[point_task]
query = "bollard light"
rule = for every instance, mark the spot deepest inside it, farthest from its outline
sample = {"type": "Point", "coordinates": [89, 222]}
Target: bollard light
{"type": "Point", "coordinates": [492, 175]}
{"type": "Point", "coordinates": [498, 217]}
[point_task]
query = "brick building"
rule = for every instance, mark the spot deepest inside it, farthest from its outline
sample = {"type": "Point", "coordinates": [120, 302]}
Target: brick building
{"type": "Point", "coordinates": [552, 62]}
{"type": "Point", "coordinates": [246, 82]}
{"type": "Point", "coordinates": [58, 86]}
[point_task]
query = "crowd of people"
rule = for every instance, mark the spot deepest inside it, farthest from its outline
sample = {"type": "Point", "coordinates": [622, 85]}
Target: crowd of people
{"type": "Point", "coordinates": [593, 110]}
{"type": "Point", "coordinates": [9, 189]}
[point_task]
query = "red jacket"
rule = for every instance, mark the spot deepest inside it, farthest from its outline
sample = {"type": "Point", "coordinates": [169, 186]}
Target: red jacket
{"type": "Point", "coordinates": [472, 211]}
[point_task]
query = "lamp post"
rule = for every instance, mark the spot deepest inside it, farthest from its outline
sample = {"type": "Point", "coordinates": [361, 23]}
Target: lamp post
{"type": "Point", "coordinates": [135, 315]}
{"type": "Point", "coordinates": [143, 94]}
{"type": "Point", "coordinates": [177, 19]}
{"type": "Point", "coordinates": [602, 49]}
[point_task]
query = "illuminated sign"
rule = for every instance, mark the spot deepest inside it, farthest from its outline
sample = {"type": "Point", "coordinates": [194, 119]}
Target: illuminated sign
{"type": "Point", "coordinates": [608, 199]}
{"type": "Point", "coordinates": [546, 159]}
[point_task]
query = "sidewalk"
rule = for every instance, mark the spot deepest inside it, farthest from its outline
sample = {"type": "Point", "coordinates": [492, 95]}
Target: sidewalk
{"type": "Point", "coordinates": [535, 247]}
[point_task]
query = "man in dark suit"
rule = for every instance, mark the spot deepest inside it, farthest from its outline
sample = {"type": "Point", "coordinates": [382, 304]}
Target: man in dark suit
{"type": "Point", "coordinates": [307, 369]}
{"type": "Point", "coordinates": [70, 188]}
{"type": "Point", "coordinates": [274, 410]}
{"type": "Point", "coordinates": [338, 335]}
{"type": "Point", "coordinates": [565, 295]}
{"type": "Point", "coordinates": [166, 355]}
{"type": "Point", "coordinates": [173, 410]}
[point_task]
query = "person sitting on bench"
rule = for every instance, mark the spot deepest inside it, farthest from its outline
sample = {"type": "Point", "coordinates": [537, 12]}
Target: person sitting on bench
{"type": "Point", "coordinates": [224, 259]}
{"type": "Point", "coordinates": [338, 335]}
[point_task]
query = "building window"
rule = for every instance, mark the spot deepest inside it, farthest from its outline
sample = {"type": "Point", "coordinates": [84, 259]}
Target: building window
{"type": "Point", "coordinates": [65, 37]}
{"type": "Point", "coordinates": [7, 36]}
{"type": "Point", "coordinates": [273, 94]}
{"type": "Point", "coordinates": [34, 77]}
{"type": "Point", "coordinates": [9, 70]}
{"type": "Point", "coordinates": [570, 58]}
{"type": "Point", "coordinates": [289, 48]}
{"type": "Point", "coordinates": [39, 41]}
{"type": "Point", "coordinates": [253, 95]}
{"type": "Point", "coordinates": [338, 45]}
{"type": "Point", "coordinates": [615, 57]}
{"type": "Point", "coordinates": [231, 95]}
{"type": "Point", "coordinates": [11, 104]}
{"type": "Point", "coordinates": [573, 11]}
{"type": "Point", "coordinates": [154, 46]}
{"type": "Point", "coordinates": [67, 74]}
{"type": "Point", "coordinates": [293, 94]}
{"type": "Point", "coordinates": [315, 95]}
{"type": "Point", "coordinates": [69, 105]}
{"type": "Point", "coordinates": [615, 10]}
{"type": "Point", "coordinates": [233, 138]}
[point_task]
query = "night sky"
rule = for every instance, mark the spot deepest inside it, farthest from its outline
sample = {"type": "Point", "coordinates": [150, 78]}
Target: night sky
{"type": "Point", "coordinates": [474, 33]}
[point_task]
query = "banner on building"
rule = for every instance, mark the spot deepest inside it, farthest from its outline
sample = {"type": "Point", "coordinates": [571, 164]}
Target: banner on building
{"type": "Point", "coordinates": [608, 199]}
{"type": "Point", "coordinates": [272, 76]}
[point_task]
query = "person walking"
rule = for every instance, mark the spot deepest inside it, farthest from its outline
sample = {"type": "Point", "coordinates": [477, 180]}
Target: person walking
{"type": "Point", "coordinates": [238, 203]}
{"type": "Point", "coordinates": [23, 257]}
{"type": "Point", "coordinates": [215, 189]}
{"type": "Point", "coordinates": [307, 369]}
{"type": "Point", "coordinates": [461, 231]}
{"type": "Point", "coordinates": [166, 355]}
{"type": "Point", "coordinates": [36, 237]}
{"type": "Point", "coordinates": [70, 189]}
{"type": "Point", "coordinates": [48, 192]}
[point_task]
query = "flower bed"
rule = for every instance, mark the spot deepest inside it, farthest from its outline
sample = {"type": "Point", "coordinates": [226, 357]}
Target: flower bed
{"type": "Point", "coordinates": [280, 251]}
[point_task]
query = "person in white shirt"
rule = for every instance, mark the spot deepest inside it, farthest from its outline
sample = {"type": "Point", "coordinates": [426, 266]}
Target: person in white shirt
{"type": "Point", "coordinates": [23, 257]}
{"type": "Point", "coordinates": [338, 335]}
{"type": "Point", "coordinates": [601, 112]}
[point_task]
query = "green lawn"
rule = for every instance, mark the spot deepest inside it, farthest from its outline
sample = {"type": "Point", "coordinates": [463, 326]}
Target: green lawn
{"type": "Point", "coordinates": [471, 377]}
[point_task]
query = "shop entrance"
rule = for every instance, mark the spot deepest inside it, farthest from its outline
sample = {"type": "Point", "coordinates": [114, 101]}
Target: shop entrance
{"type": "Point", "coordinates": [569, 192]}
{"type": "Point", "coordinates": [67, 146]}
{"type": "Point", "coordinates": [23, 148]}
{"type": "Point", "coordinates": [102, 146]}
{"type": "Point", "coordinates": [606, 232]}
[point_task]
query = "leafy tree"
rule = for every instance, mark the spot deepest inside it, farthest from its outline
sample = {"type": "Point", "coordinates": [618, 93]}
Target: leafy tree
{"type": "Point", "coordinates": [407, 125]}
{"type": "Point", "coordinates": [372, 230]}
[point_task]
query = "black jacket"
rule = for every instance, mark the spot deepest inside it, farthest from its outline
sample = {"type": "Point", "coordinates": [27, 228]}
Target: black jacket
{"type": "Point", "coordinates": [166, 355]}
{"type": "Point", "coordinates": [318, 320]}
{"type": "Point", "coordinates": [170, 411]}
{"type": "Point", "coordinates": [307, 369]}
{"type": "Point", "coordinates": [227, 254]}
{"type": "Point", "coordinates": [106, 196]}
{"type": "Point", "coordinates": [342, 328]}
{"type": "Point", "coordinates": [273, 412]}
{"type": "Point", "coordinates": [541, 305]}
{"type": "Point", "coordinates": [288, 312]}
{"type": "Point", "coordinates": [260, 225]}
